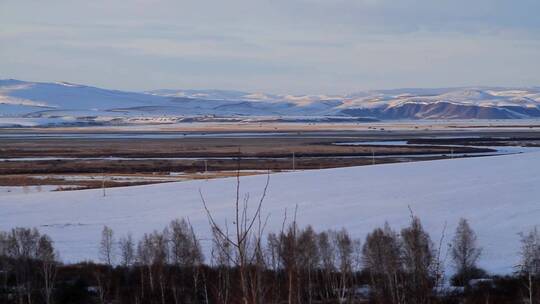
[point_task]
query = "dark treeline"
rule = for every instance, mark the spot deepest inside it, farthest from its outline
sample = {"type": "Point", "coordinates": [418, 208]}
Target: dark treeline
{"type": "Point", "coordinates": [294, 265]}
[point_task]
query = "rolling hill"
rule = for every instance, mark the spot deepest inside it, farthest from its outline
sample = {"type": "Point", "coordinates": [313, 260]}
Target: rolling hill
{"type": "Point", "coordinates": [67, 103]}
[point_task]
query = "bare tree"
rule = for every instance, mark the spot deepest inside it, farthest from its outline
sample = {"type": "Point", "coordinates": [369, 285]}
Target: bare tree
{"type": "Point", "coordinates": [273, 262]}
{"type": "Point", "coordinates": [308, 258]}
{"type": "Point", "coordinates": [221, 258]}
{"type": "Point", "coordinates": [106, 255]}
{"type": "Point", "coordinates": [4, 265]}
{"type": "Point", "coordinates": [464, 251]}
{"type": "Point", "coordinates": [196, 260]}
{"type": "Point", "coordinates": [244, 225]}
{"type": "Point", "coordinates": [48, 260]}
{"type": "Point", "coordinates": [530, 259]}
{"type": "Point", "coordinates": [144, 261]}
{"type": "Point", "coordinates": [185, 248]}
{"type": "Point", "coordinates": [4, 243]}
{"type": "Point", "coordinates": [419, 262]}
{"type": "Point", "coordinates": [345, 249]}
{"type": "Point", "coordinates": [106, 246]}
{"type": "Point", "coordinates": [152, 260]}
{"type": "Point", "coordinates": [328, 253]}
{"type": "Point", "coordinates": [185, 254]}
{"type": "Point", "coordinates": [127, 250]}
{"type": "Point", "coordinates": [160, 259]}
{"type": "Point", "coordinates": [22, 248]}
{"type": "Point", "coordinates": [288, 252]}
{"type": "Point", "coordinates": [381, 256]}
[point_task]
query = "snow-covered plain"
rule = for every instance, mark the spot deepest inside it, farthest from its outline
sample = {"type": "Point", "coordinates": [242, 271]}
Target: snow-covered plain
{"type": "Point", "coordinates": [498, 194]}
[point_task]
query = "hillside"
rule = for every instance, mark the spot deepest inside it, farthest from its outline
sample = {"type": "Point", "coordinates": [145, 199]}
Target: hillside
{"type": "Point", "coordinates": [34, 103]}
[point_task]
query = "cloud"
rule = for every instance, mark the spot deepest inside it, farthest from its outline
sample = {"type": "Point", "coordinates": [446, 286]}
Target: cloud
{"type": "Point", "coordinates": [298, 46]}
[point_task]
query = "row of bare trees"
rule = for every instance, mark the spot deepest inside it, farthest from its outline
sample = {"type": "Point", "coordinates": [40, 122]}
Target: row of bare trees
{"type": "Point", "coordinates": [29, 260]}
{"type": "Point", "coordinates": [168, 264]}
{"type": "Point", "coordinates": [406, 267]}
{"type": "Point", "coordinates": [294, 265]}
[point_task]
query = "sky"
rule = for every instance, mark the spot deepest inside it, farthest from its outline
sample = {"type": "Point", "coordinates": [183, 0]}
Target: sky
{"type": "Point", "coordinates": [273, 46]}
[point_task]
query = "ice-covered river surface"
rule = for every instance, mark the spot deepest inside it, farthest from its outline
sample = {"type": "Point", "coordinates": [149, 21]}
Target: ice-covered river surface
{"type": "Point", "coordinates": [500, 150]}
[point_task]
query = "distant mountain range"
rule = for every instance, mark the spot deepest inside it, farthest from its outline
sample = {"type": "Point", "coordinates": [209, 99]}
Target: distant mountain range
{"type": "Point", "coordinates": [67, 103]}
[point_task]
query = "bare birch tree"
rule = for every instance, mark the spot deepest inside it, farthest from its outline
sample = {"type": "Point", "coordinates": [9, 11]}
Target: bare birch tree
{"type": "Point", "coordinates": [530, 260]}
{"type": "Point", "coordinates": [308, 259]}
{"type": "Point", "coordinates": [48, 260]}
{"type": "Point", "coordinates": [345, 249]}
{"type": "Point", "coordinates": [464, 251]}
{"type": "Point", "coordinates": [106, 255]}
{"type": "Point", "coordinates": [106, 246]}
{"type": "Point", "coordinates": [127, 250]}
{"type": "Point", "coordinates": [22, 248]}
{"type": "Point", "coordinates": [419, 261]}
{"type": "Point", "coordinates": [381, 256]}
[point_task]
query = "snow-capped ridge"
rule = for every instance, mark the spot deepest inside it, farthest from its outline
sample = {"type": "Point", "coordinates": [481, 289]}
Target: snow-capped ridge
{"type": "Point", "coordinates": [69, 100]}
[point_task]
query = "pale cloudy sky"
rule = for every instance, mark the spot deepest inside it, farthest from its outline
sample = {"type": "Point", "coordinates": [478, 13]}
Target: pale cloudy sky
{"type": "Point", "coordinates": [278, 46]}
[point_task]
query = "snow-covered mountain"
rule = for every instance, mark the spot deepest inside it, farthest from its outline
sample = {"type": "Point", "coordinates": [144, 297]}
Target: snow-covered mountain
{"type": "Point", "coordinates": [63, 102]}
{"type": "Point", "coordinates": [451, 103]}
